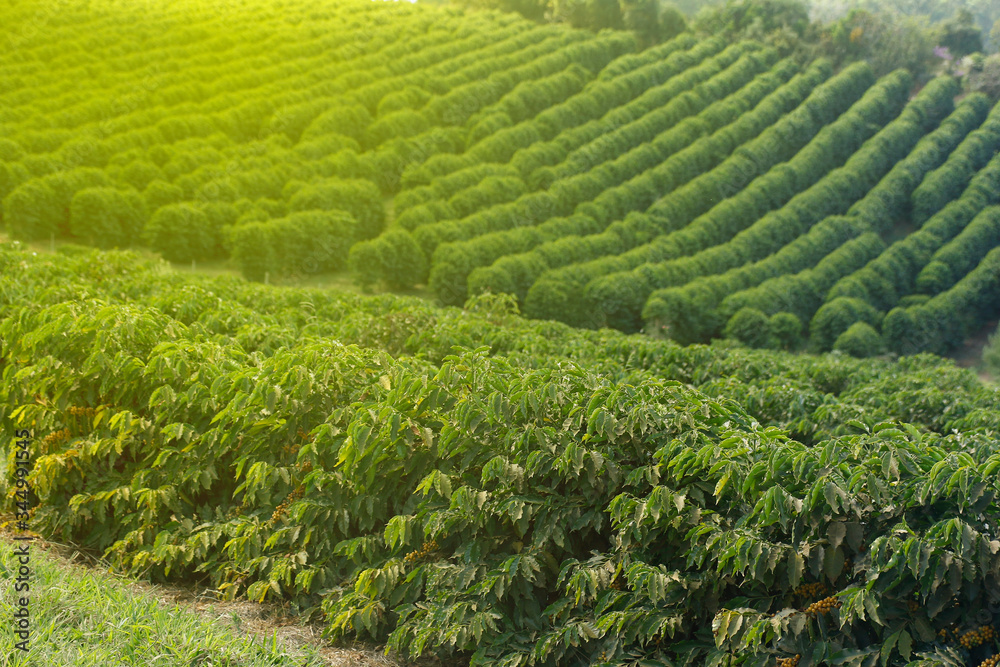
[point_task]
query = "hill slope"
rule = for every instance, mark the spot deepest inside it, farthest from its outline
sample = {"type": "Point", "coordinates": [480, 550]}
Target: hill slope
{"type": "Point", "coordinates": [695, 189]}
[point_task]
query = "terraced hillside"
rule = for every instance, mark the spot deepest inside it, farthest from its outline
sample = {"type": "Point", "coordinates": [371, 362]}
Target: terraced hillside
{"type": "Point", "coordinates": [695, 189]}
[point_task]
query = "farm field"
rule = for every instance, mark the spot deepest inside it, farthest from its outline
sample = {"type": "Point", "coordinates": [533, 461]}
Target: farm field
{"type": "Point", "coordinates": [695, 189]}
{"type": "Point", "coordinates": [548, 348]}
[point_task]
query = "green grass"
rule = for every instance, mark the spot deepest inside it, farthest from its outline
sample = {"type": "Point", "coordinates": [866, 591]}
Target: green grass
{"type": "Point", "coordinates": [81, 618]}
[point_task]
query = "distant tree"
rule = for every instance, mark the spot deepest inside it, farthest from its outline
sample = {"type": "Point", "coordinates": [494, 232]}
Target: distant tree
{"type": "Point", "coordinates": [960, 34]}
{"type": "Point", "coordinates": [692, 7]}
{"type": "Point", "coordinates": [759, 18]}
{"type": "Point", "coordinates": [984, 76]}
{"type": "Point", "coordinates": [886, 41]}
{"type": "Point", "coordinates": [530, 9]}
{"type": "Point", "coordinates": [672, 22]}
{"type": "Point", "coordinates": [642, 18]}
{"type": "Point", "coordinates": [651, 20]}
{"type": "Point", "coordinates": [783, 24]}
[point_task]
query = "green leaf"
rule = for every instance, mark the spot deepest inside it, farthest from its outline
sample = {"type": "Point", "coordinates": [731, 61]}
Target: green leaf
{"type": "Point", "coordinates": [905, 644]}
{"type": "Point", "coordinates": [836, 532]}
{"type": "Point", "coordinates": [888, 645]}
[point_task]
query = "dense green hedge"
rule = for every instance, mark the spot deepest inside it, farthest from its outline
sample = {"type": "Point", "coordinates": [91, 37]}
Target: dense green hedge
{"type": "Point", "coordinates": [891, 276]}
{"type": "Point", "coordinates": [397, 260]}
{"type": "Point", "coordinates": [182, 233]}
{"type": "Point", "coordinates": [962, 253]}
{"type": "Point", "coordinates": [358, 197]}
{"type": "Point", "coordinates": [39, 208]}
{"type": "Point", "coordinates": [631, 181]}
{"type": "Point", "coordinates": [838, 315]}
{"type": "Point", "coordinates": [303, 243]}
{"type": "Point", "coordinates": [771, 211]}
{"type": "Point", "coordinates": [944, 321]}
{"type": "Point", "coordinates": [107, 217]}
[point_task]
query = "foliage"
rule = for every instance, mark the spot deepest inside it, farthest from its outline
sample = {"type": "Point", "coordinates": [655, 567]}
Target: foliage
{"type": "Point", "coordinates": [535, 495]}
{"type": "Point", "coordinates": [886, 41]}
{"type": "Point", "coordinates": [984, 12]}
{"type": "Point", "coordinates": [787, 330]}
{"type": "Point", "coordinates": [860, 340]}
{"type": "Point", "coordinates": [628, 179]}
{"type": "Point", "coordinates": [751, 327]}
{"type": "Point", "coordinates": [991, 356]}
{"type": "Point", "coordinates": [836, 317]}
{"type": "Point", "coordinates": [106, 217]}
{"type": "Point", "coordinates": [298, 245]}
{"type": "Point", "coordinates": [781, 23]}
{"type": "Point", "coordinates": [651, 21]}
{"type": "Point", "coordinates": [182, 233]}
{"type": "Point", "coordinates": [396, 258]}
{"type": "Point", "coordinates": [984, 77]}
{"type": "Point", "coordinates": [960, 34]}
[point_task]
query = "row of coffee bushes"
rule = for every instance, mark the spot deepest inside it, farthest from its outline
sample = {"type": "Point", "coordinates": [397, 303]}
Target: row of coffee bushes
{"type": "Point", "coordinates": [416, 139]}
{"type": "Point", "coordinates": [887, 281]}
{"type": "Point", "coordinates": [831, 146]}
{"type": "Point", "coordinates": [644, 116]}
{"type": "Point", "coordinates": [888, 151]}
{"type": "Point", "coordinates": [692, 312]}
{"type": "Point", "coordinates": [231, 140]}
{"type": "Point", "coordinates": [960, 255]}
{"type": "Point", "coordinates": [944, 321]}
{"type": "Point", "coordinates": [564, 194]}
{"type": "Point", "coordinates": [766, 125]}
{"type": "Point", "coordinates": [949, 180]}
{"type": "Point", "coordinates": [584, 109]}
{"type": "Point", "coordinates": [673, 156]}
{"type": "Point", "coordinates": [718, 76]}
{"type": "Point", "coordinates": [885, 202]}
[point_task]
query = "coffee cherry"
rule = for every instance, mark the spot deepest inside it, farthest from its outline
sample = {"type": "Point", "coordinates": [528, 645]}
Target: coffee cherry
{"type": "Point", "coordinates": [823, 606]}
{"type": "Point", "coordinates": [425, 550]}
{"type": "Point", "coordinates": [974, 638]}
{"type": "Point", "coordinates": [282, 508]}
{"type": "Point", "coordinates": [991, 661]}
{"type": "Point", "coordinates": [806, 591]}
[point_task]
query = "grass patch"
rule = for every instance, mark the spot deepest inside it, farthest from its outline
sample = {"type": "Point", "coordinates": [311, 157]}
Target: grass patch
{"type": "Point", "coordinates": [86, 618]}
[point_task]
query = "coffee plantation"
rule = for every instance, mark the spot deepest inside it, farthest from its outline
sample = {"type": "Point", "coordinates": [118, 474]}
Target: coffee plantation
{"type": "Point", "coordinates": [677, 402]}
